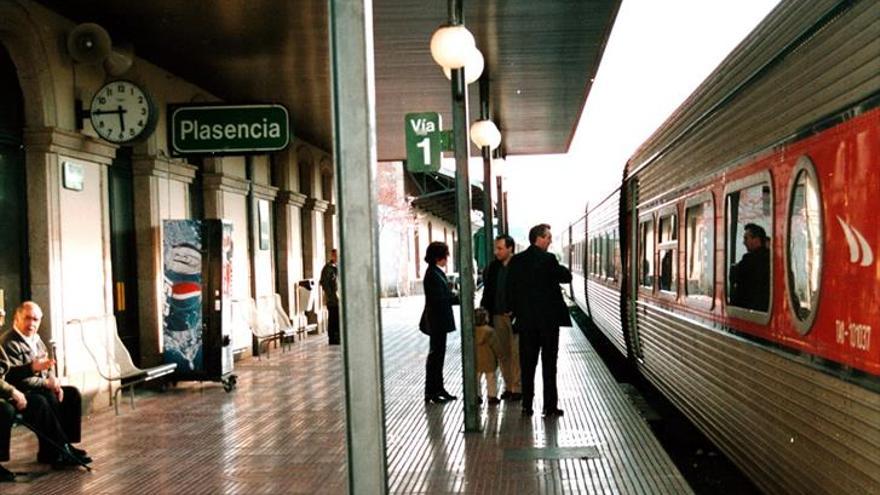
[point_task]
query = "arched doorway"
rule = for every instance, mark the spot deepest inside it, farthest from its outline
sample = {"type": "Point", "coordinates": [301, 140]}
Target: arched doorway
{"type": "Point", "coordinates": [14, 280]}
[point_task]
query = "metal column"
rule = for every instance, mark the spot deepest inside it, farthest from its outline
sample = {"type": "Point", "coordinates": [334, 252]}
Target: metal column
{"type": "Point", "coordinates": [354, 149]}
{"type": "Point", "coordinates": [488, 227]}
{"type": "Point", "coordinates": [465, 239]}
{"type": "Point", "coordinates": [502, 210]}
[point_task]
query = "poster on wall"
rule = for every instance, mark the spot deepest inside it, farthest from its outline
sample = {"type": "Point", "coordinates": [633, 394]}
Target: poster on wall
{"type": "Point", "coordinates": [263, 213]}
{"type": "Point", "coordinates": [182, 324]}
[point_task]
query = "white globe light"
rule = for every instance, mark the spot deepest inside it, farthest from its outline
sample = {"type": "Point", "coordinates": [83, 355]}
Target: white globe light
{"type": "Point", "coordinates": [473, 68]}
{"type": "Point", "coordinates": [499, 167]}
{"type": "Point", "coordinates": [451, 45]}
{"type": "Point", "coordinates": [484, 133]}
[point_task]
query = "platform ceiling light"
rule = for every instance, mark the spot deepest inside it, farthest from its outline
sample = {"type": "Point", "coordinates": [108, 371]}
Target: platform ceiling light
{"type": "Point", "coordinates": [485, 133]}
{"type": "Point", "coordinates": [499, 167]}
{"type": "Point", "coordinates": [473, 68]}
{"type": "Point", "coordinates": [451, 46]}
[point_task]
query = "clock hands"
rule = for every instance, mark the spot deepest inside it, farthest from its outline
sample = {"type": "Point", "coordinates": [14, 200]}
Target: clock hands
{"type": "Point", "coordinates": [121, 119]}
{"type": "Point", "coordinates": [119, 111]}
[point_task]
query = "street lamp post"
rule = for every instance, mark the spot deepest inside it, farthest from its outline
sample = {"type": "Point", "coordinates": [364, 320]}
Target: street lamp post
{"type": "Point", "coordinates": [451, 47]}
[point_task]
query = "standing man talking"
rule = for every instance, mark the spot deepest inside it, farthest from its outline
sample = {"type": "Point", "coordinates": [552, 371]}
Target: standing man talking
{"type": "Point", "coordinates": [495, 301]}
{"type": "Point", "coordinates": [330, 284]}
{"type": "Point", "coordinates": [538, 311]}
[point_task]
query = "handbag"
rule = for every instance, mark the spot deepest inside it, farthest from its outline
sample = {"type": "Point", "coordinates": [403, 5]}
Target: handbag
{"type": "Point", "coordinates": [423, 323]}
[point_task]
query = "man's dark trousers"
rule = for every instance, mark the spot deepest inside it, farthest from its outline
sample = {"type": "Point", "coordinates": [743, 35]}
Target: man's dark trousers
{"type": "Point", "coordinates": [68, 412]}
{"type": "Point", "coordinates": [533, 342]}
{"type": "Point", "coordinates": [333, 325]}
{"type": "Point", "coordinates": [39, 415]}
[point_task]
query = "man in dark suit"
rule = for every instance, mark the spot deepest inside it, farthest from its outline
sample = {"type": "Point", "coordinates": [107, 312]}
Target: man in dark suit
{"type": "Point", "coordinates": [538, 310]}
{"type": "Point", "coordinates": [26, 365]}
{"type": "Point", "coordinates": [330, 284]}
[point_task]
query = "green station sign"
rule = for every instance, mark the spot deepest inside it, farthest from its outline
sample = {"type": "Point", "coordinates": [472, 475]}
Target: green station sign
{"type": "Point", "coordinates": [228, 129]}
{"type": "Point", "coordinates": [423, 141]}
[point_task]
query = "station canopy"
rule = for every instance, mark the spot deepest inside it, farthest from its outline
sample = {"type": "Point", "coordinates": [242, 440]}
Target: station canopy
{"type": "Point", "coordinates": [541, 57]}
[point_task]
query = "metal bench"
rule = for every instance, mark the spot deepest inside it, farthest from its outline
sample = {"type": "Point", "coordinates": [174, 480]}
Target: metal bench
{"type": "Point", "coordinates": [112, 359]}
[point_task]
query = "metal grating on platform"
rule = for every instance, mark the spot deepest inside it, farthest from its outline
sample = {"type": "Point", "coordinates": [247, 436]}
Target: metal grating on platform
{"type": "Point", "coordinates": [283, 431]}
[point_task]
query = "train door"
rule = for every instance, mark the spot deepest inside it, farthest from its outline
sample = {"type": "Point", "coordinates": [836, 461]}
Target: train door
{"type": "Point", "coordinates": [630, 231]}
{"type": "Point", "coordinates": [123, 252]}
{"type": "Point", "coordinates": [14, 282]}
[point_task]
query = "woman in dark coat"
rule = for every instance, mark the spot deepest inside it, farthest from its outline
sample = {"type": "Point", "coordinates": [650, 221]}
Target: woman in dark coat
{"type": "Point", "coordinates": [437, 321]}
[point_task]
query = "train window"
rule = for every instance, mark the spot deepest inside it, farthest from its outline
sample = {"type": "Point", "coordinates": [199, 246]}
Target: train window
{"type": "Point", "coordinates": [749, 219]}
{"type": "Point", "coordinates": [646, 253]}
{"type": "Point", "coordinates": [804, 256]}
{"type": "Point", "coordinates": [667, 250]}
{"type": "Point", "coordinates": [609, 257]}
{"type": "Point", "coordinates": [699, 248]}
{"type": "Point", "coordinates": [615, 257]}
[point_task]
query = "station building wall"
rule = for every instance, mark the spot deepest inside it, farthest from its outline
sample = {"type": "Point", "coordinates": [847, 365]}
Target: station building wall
{"type": "Point", "coordinates": [69, 265]}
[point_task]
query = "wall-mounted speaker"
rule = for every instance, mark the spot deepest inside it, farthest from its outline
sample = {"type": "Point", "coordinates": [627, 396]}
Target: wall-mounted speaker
{"type": "Point", "coordinates": [88, 43]}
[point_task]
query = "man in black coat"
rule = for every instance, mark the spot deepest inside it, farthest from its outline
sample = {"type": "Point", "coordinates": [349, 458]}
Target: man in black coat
{"type": "Point", "coordinates": [538, 309]}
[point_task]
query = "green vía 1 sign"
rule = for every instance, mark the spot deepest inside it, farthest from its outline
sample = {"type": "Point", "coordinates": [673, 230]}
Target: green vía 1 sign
{"type": "Point", "coordinates": [228, 129]}
{"type": "Point", "coordinates": [423, 141]}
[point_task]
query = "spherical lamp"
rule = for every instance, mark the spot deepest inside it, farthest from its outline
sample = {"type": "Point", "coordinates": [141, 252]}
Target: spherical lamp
{"type": "Point", "coordinates": [473, 68]}
{"type": "Point", "coordinates": [451, 46]}
{"type": "Point", "coordinates": [484, 133]}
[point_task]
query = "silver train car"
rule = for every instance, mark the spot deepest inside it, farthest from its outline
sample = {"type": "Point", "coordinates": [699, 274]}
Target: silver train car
{"type": "Point", "coordinates": [784, 134]}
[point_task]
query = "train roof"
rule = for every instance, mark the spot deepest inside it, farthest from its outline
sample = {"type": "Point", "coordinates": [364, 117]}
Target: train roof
{"type": "Point", "coordinates": [757, 82]}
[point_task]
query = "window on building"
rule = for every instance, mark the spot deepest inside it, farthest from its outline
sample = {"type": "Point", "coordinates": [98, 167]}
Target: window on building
{"type": "Point", "coordinates": [804, 244]}
{"type": "Point", "coordinates": [699, 249]}
{"type": "Point", "coordinates": [646, 253]}
{"type": "Point", "coordinates": [667, 252]}
{"type": "Point", "coordinates": [748, 216]}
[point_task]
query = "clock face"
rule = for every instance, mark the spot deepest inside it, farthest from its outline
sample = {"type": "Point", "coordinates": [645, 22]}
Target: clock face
{"type": "Point", "coordinates": [122, 112]}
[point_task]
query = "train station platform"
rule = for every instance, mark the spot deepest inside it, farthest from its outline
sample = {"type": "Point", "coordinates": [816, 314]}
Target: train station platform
{"type": "Point", "coordinates": [283, 431]}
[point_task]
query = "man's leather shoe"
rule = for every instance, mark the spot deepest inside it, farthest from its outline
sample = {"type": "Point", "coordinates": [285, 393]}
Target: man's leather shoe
{"type": "Point", "coordinates": [505, 395]}
{"type": "Point", "coordinates": [494, 401]}
{"type": "Point", "coordinates": [446, 395]}
{"type": "Point", "coordinates": [514, 396]}
{"type": "Point", "coordinates": [550, 413]}
{"type": "Point", "coordinates": [527, 412]}
{"type": "Point", "coordinates": [82, 454]}
{"type": "Point", "coordinates": [435, 399]}
{"type": "Point", "coordinates": [6, 475]}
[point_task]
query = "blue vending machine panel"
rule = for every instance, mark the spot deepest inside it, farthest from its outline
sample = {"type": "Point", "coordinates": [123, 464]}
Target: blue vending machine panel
{"type": "Point", "coordinates": [197, 256]}
{"type": "Point", "coordinates": [182, 324]}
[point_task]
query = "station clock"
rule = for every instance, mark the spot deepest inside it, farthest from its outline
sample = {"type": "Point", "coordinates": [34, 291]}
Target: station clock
{"type": "Point", "coordinates": [122, 112]}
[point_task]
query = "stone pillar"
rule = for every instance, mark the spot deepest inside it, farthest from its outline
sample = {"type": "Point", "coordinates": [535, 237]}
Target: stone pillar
{"type": "Point", "coordinates": [152, 177]}
{"type": "Point", "coordinates": [313, 236]}
{"type": "Point", "coordinates": [288, 216]}
{"type": "Point", "coordinates": [46, 147]}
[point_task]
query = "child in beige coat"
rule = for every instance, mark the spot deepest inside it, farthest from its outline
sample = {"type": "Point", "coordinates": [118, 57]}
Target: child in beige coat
{"type": "Point", "coordinates": [487, 354]}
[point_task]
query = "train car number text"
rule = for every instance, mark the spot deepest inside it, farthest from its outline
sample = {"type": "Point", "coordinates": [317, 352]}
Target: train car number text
{"type": "Point", "coordinates": [858, 335]}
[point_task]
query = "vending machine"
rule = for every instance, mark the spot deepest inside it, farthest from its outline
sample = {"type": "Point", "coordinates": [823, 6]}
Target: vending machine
{"type": "Point", "coordinates": [197, 323]}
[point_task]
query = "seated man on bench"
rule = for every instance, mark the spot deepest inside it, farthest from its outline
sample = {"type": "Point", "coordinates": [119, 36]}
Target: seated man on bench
{"type": "Point", "coordinates": [56, 409]}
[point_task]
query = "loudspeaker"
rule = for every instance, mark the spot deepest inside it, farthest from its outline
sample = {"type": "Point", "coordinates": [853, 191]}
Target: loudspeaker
{"type": "Point", "coordinates": [119, 59]}
{"type": "Point", "coordinates": [88, 43]}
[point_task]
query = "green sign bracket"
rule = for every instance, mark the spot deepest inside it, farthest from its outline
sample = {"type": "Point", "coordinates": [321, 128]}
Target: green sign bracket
{"type": "Point", "coordinates": [447, 140]}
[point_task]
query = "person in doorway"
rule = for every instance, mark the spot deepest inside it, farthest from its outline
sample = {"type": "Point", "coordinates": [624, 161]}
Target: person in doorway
{"type": "Point", "coordinates": [437, 320]}
{"type": "Point", "coordinates": [538, 310]}
{"type": "Point", "coordinates": [25, 364]}
{"type": "Point", "coordinates": [495, 301]}
{"type": "Point", "coordinates": [751, 276]}
{"type": "Point", "coordinates": [330, 284]}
